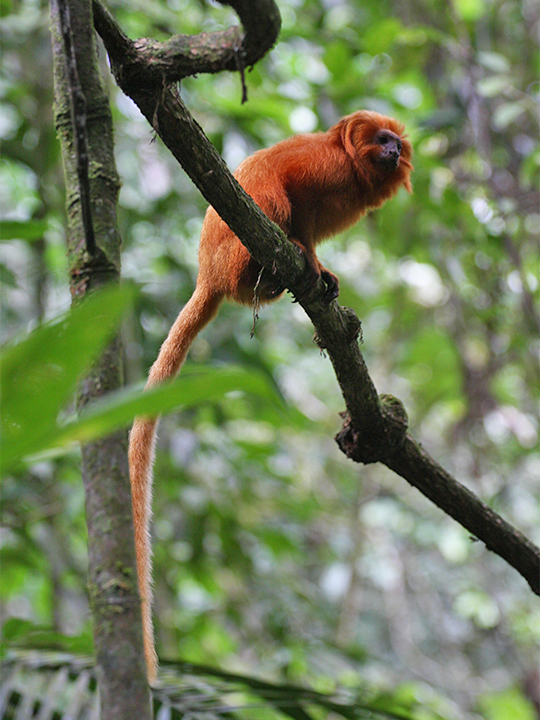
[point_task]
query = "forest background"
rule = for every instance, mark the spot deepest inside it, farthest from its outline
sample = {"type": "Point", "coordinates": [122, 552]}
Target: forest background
{"type": "Point", "coordinates": [274, 554]}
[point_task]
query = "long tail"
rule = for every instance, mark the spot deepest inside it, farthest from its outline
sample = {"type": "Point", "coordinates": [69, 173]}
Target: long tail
{"type": "Point", "coordinates": [199, 310]}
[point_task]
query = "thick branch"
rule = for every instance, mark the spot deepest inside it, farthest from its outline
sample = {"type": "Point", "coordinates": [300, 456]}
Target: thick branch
{"type": "Point", "coordinates": [151, 62]}
{"type": "Point", "coordinates": [375, 427]}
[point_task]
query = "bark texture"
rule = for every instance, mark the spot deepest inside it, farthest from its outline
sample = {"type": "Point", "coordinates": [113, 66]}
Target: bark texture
{"type": "Point", "coordinates": [84, 126]}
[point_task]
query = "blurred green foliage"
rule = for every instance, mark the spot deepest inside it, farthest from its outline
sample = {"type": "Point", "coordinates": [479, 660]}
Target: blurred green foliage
{"type": "Point", "coordinates": [274, 554]}
{"type": "Point", "coordinates": [39, 374]}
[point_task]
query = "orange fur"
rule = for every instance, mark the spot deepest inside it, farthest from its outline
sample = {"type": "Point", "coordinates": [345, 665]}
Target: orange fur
{"type": "Point", "coordinates": [312, 186]}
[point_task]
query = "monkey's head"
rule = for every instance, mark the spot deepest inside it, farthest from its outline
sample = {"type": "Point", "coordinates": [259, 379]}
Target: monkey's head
{"type": "Point", "coordinates": [379, 149]}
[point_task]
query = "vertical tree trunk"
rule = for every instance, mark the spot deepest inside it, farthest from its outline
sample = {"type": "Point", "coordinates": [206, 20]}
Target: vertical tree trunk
{"type": "Point", "coordinates": [84, 127]}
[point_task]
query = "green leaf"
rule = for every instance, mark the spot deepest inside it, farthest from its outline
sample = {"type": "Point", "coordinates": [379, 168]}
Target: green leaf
{"type": "Point", "coordinates": [7, 277]}
{"type": "Point", "coordinates": [337, 55]}
{"type": "Point", "coordinates": [6, 7]}
{"type": "Point", "coordinates": [40, 372]}
{"type": "Point", "coordinates": [381, 36]}
{"type": "Point", "coordinates": [195, 385]}
{"type": "Point", "coordinates": [470, 9]}
{"type": "Point", "coordinates": [22, 633]}
{"type": "Point", "coordinates": [508, 704]}
{"type": "Point", "coordinates": [22, 230]}
{"type": "Point", "coordinates": [292, 700]}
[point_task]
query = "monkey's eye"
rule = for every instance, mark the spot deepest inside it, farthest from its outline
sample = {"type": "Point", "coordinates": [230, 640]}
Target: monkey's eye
{"type": "Point", "coordinates": [383, 139]}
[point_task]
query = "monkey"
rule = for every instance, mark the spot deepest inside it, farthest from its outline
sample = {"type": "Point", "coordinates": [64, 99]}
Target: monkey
{"type": "Point", "coordinates": [312, 186]}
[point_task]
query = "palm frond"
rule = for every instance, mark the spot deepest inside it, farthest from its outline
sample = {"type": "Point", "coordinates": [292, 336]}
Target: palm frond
{"type": "Point", "coordinates": [58, 686]}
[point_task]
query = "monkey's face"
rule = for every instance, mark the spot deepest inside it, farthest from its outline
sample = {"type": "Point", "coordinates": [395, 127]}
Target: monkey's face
{"type": "Point", "coordinates": [389, 145]}
{"type": "Point", "coordinates": [380, 150]}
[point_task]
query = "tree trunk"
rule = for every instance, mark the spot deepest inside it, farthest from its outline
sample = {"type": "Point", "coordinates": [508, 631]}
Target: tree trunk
{"type": "Point", "coordinates": [84, 127]}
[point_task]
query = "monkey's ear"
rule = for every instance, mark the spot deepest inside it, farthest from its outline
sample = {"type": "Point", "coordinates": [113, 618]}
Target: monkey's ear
{"type": "Point", "coordinates": [347, 136]}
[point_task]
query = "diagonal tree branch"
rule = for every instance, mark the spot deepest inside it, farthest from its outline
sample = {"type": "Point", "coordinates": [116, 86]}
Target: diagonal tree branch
{"type": "Point", "coordinates": [375, 426]}
{"type": "Point", "coordinates": [415, 465]}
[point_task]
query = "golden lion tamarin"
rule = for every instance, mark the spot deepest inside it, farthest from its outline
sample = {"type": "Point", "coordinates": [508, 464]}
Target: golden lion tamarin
{"type": "Point", "coordinates": [312, 186]}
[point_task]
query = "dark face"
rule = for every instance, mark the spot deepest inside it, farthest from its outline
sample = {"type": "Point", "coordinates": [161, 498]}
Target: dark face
{"type": "Point", "coordinates": [390, 148]}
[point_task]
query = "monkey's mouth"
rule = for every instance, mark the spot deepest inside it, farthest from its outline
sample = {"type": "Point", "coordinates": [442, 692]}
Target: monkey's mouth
{"type": "Point", "coordinates": [390, 161]}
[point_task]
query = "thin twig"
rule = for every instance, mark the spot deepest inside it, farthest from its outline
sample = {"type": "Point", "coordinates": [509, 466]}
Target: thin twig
{"type": "Point", "coordinates": [256, 303]}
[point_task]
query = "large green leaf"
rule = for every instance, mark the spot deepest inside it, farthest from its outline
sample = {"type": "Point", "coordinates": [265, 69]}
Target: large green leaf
{"type": "Point", "coordinates": [40, 372]}
{"type": "Point", "coordinates": [194, 386]}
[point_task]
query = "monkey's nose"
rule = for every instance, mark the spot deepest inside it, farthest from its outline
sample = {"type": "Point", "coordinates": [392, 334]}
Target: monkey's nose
{"type": "Point", "coordinates": [392, 157]}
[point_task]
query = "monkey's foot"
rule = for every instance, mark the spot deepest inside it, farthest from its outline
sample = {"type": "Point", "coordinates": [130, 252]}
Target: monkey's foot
{"type": "Point", "coordinates": [308, 289]}
{"type": "Point", "coordinates": [332, 285]}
